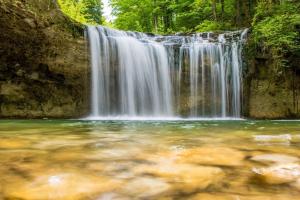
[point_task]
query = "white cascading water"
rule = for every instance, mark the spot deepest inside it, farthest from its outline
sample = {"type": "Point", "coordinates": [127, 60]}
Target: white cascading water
{"type": "Point", "coordinates": [141, 75]}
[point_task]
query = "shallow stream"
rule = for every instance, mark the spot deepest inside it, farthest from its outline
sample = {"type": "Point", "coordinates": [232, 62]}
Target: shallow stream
{"type": "Point", "coordinates": [103, 160]}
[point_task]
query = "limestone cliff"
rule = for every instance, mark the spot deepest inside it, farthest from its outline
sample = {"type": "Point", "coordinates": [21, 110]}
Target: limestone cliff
{"type": "Point", "coordinates": [271, 92]}
{"type": "Point", "coordinates": [43, 62]}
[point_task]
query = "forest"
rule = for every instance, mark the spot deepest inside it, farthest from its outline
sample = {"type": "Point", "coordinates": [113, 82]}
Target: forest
{"type": "Point", "coordinates": [275, 24]}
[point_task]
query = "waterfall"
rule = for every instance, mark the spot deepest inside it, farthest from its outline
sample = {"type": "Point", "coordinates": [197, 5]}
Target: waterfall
{"type": "Point", "coordinates": [145, 75]}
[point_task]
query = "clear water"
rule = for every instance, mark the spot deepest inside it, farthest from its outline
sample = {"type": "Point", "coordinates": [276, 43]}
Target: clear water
{"type": "Point", "coordinates": [45, 159]}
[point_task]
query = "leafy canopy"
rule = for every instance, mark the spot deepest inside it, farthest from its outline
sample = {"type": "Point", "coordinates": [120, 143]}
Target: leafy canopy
{"type": "Point", "coordinates": [84, 11]}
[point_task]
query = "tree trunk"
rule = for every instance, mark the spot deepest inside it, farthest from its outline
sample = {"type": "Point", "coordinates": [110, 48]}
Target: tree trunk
{"type": "Point", "coordinates": [155, 18]}
{"type": "Point", "coordinates": [238, 13]}
{"type": "Point", "coordinates": [245, 12]}
{"type": "Point", "coordinates": [214, 9]}
{"type": "Point", "coordinates": [223, 10]}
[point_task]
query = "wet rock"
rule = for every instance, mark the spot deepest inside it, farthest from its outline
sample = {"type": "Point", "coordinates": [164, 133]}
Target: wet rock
{"type": "Point", "coordinates": [96, 166]}
{"type": "Point", "coordinates": [59, 185]}
{"type": "Point", "coordinates": [206, 196]}
{"type": "Point", "coordinates": [219, 156]}
{"type": "Point", "coordinates": [273, 138]}
{"type": "Point", "coordinates": [20, 72]}
{"type": "Point", "coordinates": [296, 138]}
{"type": "Point", "coordinates": [275, 158]}
{"type": "Point", "coordinates": [68, 155]}
{"type": "Point", "coordinates": [34, 76]}
{"type": "Point", "coordinates": [185, 177]}
{"type": "Point", "coordinates": [10, 143]}
{"type": "Point", "coordinates": [30, 22]}
{"type": "Point", "coordinates": [60, 143]}
{"type": "Point", "coordinates": [112, 196]}
{"type": "Point", "coordinates": [118, 153]}
{"type": "Point", "coordinates": [279, 174]}
{"type": "Point", "coordinates": [269, 99]}
{"type": "Point", "coordinates": [296, 184]}
{"type": "Point", "coordinates": [146, 187]}
{"type": "Point", "coordinates": [12, 92]}
{"type": "Point", "coordinates": [17, 156]}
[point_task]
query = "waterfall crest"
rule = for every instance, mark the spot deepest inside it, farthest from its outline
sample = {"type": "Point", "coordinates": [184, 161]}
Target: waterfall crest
{"type": "Point", "coordinates": [142, 75]}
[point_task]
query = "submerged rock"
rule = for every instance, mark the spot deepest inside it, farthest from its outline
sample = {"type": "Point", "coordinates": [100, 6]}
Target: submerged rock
{"type": "Point", "coordinates": [279, 174]}
{"type": "Point", "coordinates": [275, 158]}
{"type": "Point", "coordinates": [220, 156]}
{"type": "Point", "coordinates": [185, 177]}
{"type": "Point", "coordinates": [212, 196]}
{"type": "Point", "coordinates": [13, 143]}
{"type": "Point", "coordinates": [146, 187]}
{"type": "Point", "coordinates": [207, 196]}
{"type": "Point", "coordinates": [112, 196]}
{"type": "Point", "coordinates": [59, 185]}
{"type": "Point", "coordinates": [296, 184]}
{"type": "Point", "coordinates": [273, 138]}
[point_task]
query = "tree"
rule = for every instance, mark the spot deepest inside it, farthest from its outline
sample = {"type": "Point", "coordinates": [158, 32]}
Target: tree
{"type": "Point", "coordinates": [93, 11]}
{"type": "Point", "coordinates": [84, 11]}
{"type": "Point", "coordinates": [214, 9]}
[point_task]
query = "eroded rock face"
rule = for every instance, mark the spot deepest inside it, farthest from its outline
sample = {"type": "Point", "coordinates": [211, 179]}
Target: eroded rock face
{"type": "Point", "coordinates": [43, 63]}
{"type": "Point", "coordinates": [270, 93]}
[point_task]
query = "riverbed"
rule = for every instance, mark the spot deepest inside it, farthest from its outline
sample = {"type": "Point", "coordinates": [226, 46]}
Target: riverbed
{"type": "Point", "coordinates": [103, 160]}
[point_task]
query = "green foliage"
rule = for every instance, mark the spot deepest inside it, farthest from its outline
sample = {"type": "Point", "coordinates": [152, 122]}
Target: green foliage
{"type": "Point", "coordinates": [208, 25]}
{"type": "Point", "coordinates": [93, 11]}
{"type": "Point", "coordinates": [170, 16]}
{"type": "Point", "coordinates": [275, 23]}
{"type": "Point", "coordinates": [275, 29]}
{"type": "Point", "coordinates": [84, 11]}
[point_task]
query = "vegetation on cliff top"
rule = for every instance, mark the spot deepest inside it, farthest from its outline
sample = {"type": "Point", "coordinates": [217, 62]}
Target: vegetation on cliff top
{"type": "Point", "coordinates": [276, 29]}
{"type": "Point", "coordinates": [275, 24]}
{"type": "Point", "coordinates": [84, 11]}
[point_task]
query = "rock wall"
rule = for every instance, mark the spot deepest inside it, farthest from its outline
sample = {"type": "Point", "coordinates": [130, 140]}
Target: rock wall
{"type": "Point", "coordinates": [269, 92]}
{"type": "Point", "coordinates": [43, 62]}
